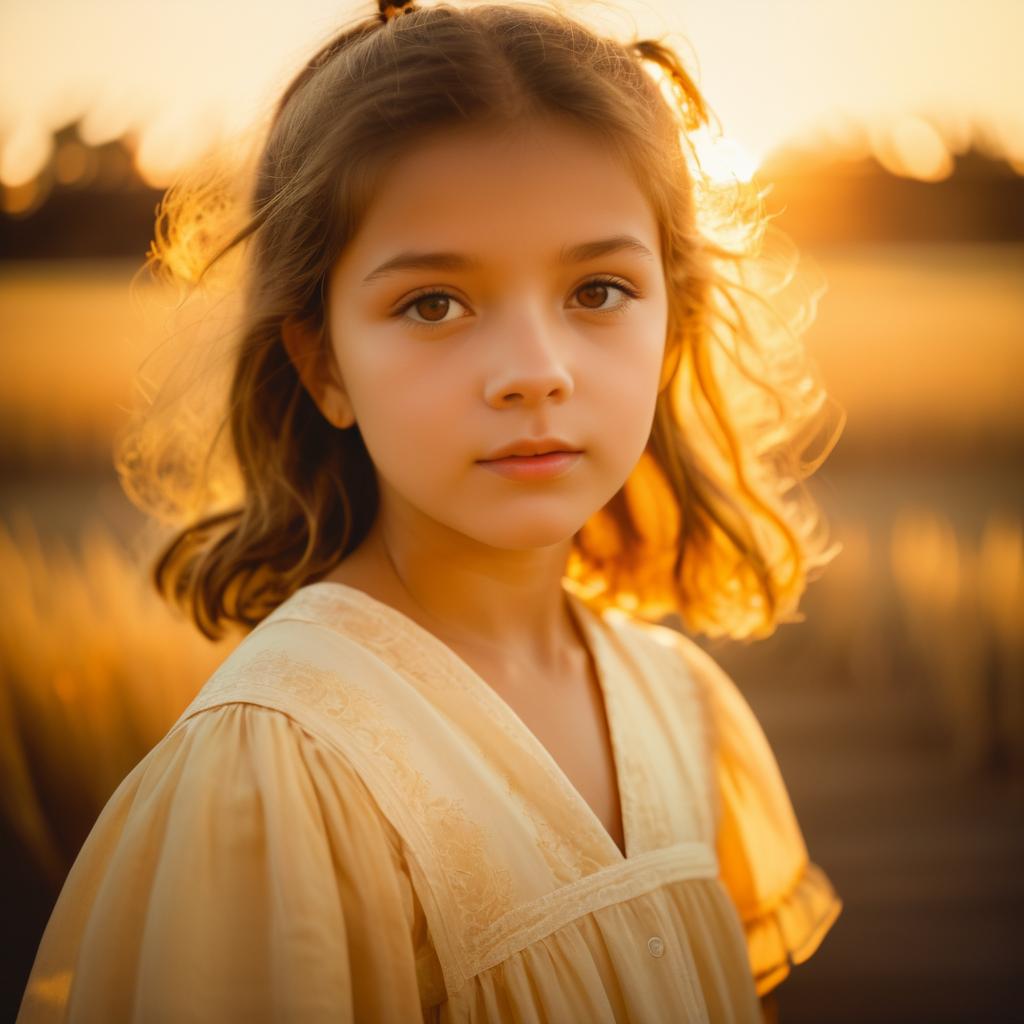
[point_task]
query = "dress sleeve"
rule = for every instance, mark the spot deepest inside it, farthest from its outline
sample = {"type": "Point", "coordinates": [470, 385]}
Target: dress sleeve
{"type": "Point", "coordinates": [240, 873]}
{"type": "Point", "coordinates": [786, 903]}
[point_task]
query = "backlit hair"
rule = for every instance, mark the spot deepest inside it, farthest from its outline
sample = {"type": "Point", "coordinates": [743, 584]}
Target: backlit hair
{"type": "Point", "coordinates": [714, 524]}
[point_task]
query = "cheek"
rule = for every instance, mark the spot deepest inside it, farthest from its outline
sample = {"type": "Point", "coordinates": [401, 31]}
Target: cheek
{"type": "Point", "coordinates": [412, 414]}
{"type": "Point", "coordinates": [631, 406]}
{"type": "Point", "coordinates": [630, 382]}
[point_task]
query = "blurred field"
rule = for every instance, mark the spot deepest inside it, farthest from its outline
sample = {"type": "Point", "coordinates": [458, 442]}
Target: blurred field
{"type": "Point", "coordinates": [918, 342]}
{"type": "Point", "coordinates": [925, 342]}
{"type": "Point", "coordinates": [896, 709]}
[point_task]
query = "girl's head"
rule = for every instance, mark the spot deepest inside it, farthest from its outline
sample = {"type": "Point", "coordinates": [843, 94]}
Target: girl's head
{"type": "Point", "coordinates": [469, 226]}
{"type": "Point", "coordinates": [505, 283]}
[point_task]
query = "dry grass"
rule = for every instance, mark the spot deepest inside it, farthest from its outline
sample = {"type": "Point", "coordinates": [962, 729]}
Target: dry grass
{"type": "Point", "coordinates": [962, 606]}
{"type": "Point", "coordinates": [889, 337]}
{"type": "Point", "coordinates": [95, 670]}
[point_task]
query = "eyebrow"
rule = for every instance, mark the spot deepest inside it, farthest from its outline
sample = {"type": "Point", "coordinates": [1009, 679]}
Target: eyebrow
{"type": "Point", "coordinates": [458, 261]}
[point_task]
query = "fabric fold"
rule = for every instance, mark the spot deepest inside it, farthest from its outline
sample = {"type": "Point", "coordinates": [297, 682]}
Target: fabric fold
{"type": "Point", "coordinates": [307, 840]}
{"type": "Point", "coordinates": [785, 902]}
{"type": "Point", "coordinates": [790, 932]}
{"type": "Point", "coordinates": [228, 878]}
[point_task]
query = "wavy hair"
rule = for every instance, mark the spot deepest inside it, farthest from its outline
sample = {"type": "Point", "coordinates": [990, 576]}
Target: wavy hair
{"type": "Point", "coordinates": [714, 524]}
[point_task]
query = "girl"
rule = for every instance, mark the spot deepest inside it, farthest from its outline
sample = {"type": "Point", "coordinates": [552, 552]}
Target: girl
{"type": "Point", "coordinates": [493, 418]}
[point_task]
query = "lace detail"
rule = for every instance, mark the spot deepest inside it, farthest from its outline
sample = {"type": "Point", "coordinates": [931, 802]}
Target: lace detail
{"type": "Point", "coordinates": [650, 650]}
{"type": "Point", "coordinates": [698, 713]}
{"type": "Point", "coordinates": [615, 883]}
{"type": "Point", "coordinates": [482, 913]}
{"type": "Point", "coordinates": [663, 647]}
{"type": "Point", "coordinates": [386, 632]}
{"type": "Point", "coordinates": [481, 890]}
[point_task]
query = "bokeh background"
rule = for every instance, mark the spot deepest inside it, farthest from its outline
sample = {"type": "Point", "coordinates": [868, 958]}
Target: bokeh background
{"type": "Point", "coordinates": [892, 137]}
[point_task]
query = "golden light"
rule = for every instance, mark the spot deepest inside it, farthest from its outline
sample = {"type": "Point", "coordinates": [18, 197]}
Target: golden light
{"type": "Point", "coordinates": [724, 159]}
{"type": "Point", "coordinates": [24, 154]}
{"type": "Point", "coordinates": [104, 123]}
{"type": "Point", "coordinates": [912, 147]}
{"type": "Point", "coordinates": [845, 136]}
{"type": "Point", "coordinates": [74, 163]}
{"type": "Point", "coordinates": [171, 143]}
{"type": "Point", "coordinates": [1011, 136]}
{"type": "Point", "coordinates": [18, 200]}
{"type": "Point", "coordinates": [770, 72]}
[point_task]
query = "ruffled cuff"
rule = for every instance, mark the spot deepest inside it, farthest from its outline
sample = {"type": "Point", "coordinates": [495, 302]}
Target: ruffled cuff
{"type": "Point", "coordinates": [788, 932]}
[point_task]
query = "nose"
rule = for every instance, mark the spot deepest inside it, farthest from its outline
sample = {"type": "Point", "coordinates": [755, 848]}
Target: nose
{"type": "Point", "coordinates": [529, 364]}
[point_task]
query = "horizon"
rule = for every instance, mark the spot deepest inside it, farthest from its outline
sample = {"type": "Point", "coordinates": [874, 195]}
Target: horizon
{"type": "Point", "coordinates": [914, 112]}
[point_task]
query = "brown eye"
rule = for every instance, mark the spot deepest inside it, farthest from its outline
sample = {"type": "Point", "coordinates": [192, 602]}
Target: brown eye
{"type": "Point", "coordinates": [596, 292]}
{"type": "Point", "coordinates": [593, 296]}
{"type": "Point", "coordinates": [432, 307]}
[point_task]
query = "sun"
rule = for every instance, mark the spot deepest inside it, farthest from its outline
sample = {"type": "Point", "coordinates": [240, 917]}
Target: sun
{"type": "Point", "coordinates": [724, 159]}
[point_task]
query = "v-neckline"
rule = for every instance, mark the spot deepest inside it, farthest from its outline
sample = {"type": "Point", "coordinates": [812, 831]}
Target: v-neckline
{"type": "Point", "coordinates": [595, 643]}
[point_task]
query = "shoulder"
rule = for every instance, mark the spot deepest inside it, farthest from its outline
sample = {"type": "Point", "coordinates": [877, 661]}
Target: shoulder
{"type": "Point", "coordinates": [275, 720]}
{"type": "Point", "coordinates": [679, 667]}
{"type": "Point", "coordinates": [240, 853]}
{"type": "Point", "coordinates": [290, 663]}
{"type": "Point", "coordinates": [671, 648]}
{"type": "Point", "coordinates": [255, 758]}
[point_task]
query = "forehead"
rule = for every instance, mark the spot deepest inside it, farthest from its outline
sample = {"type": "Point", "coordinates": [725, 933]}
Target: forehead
{"type": "Point", "coordinates": [524, 191]}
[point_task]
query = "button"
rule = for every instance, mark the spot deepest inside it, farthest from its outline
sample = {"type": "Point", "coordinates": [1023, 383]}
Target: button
{"type": "Point", "coordinates": [656, 946]}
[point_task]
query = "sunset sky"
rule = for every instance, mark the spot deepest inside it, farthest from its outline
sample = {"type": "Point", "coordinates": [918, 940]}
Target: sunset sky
{"type": "Point", "coordinates": [912, 80]}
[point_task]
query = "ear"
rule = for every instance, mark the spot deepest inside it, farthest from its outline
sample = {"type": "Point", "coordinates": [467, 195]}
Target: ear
{"type": "Point", "coordinates": [314, 361]}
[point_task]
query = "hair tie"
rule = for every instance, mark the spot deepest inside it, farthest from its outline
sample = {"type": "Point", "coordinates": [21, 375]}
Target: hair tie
{"type": "Point", "coordinates": [392, 8]}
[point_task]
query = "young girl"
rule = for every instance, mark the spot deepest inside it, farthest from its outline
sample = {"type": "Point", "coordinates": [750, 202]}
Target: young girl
{"type": "Point", "coordinates": [493, 420]}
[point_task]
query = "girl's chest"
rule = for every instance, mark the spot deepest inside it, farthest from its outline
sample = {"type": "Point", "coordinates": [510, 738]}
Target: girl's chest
{"type": "Point", "coordinates": [505, 806]}
{"type": "Point", "coordinates": [567, 714]}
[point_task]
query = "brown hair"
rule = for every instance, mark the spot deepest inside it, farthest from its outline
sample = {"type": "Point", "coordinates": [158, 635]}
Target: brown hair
{"type": "Point", "coordinates": [702, 527]}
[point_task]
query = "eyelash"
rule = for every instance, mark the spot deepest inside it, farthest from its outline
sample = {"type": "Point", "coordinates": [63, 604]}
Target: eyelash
{"type": "Point", "coordinates": [615, 282]}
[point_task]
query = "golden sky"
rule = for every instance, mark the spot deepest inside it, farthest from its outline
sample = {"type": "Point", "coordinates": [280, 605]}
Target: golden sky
{"type": "Point", "coordinates": [911, 80]}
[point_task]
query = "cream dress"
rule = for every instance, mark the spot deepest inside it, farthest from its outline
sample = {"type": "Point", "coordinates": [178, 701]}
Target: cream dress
{"type": "Point", "coordinates": [348, 824]}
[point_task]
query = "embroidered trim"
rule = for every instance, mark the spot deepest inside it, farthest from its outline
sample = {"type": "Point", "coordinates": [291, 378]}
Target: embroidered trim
{"type": "Point", "coordinates": [274, 676]}
{"type": "Point", "coordinates": [385, 631]}
{"type": "Point", "coordinates": [489, 922]}
{"type": "Point", "coordinates": [613, 884]}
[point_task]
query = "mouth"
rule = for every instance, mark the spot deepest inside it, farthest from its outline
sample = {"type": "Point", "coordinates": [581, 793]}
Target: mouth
{"type": "Point", "coordinates": [535, 456]}
{"type": "Point", "coordinates": [547, 466]}
{"type": "Point", "coordinates": [532, 447]}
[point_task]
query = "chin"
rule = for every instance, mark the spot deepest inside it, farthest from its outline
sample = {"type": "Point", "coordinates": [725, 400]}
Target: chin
{"type": "Point", "coordinates": [528, 533]}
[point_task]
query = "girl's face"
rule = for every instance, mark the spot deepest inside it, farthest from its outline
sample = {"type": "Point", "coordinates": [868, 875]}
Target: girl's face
{"type": "Point", "coordinates": [502, 286]}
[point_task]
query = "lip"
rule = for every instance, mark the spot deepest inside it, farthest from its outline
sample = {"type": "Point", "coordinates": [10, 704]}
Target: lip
{"type": "Point", "coordinates": [531, 446]}
{"type": "Point", "coordinates": [533, 467]}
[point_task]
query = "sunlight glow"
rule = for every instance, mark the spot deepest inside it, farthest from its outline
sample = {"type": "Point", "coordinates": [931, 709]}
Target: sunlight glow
{"type": "Point", "coordinates": [104, 123]}
{"type": "Point", "coordinates": [724, 159]}
{"type": "Point", "coordinates": [1011, 135]}
{"type": "Point", "coordinates": [170, 143]}
{"type": "Point", "coordinates": [913, 148]}
{"type": "Point", "coordinates": [24, 154]}
{"type": "Point", "coordinates": [770, 72]}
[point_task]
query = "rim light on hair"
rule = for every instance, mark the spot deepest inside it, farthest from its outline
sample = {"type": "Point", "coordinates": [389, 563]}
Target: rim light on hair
{"type": "Point", "coordinates": [713, 524]}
